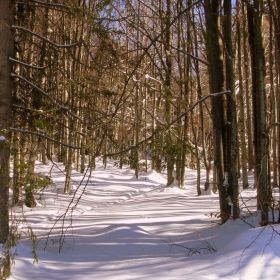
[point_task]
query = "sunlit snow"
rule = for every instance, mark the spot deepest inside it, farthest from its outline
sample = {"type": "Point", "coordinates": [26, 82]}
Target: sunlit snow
{"type": "Point", "coordinates": [123, 228]}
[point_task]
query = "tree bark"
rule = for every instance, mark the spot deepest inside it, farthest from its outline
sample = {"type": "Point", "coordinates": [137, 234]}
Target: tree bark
{"type": "Point", "coordinates": [170, 154]}
{"type": "Point", "coordinates": [259, 107]}
{"type": "Point", "coordinates": [17, 184]}
{"type": "Point", "coordinates": [7, 10]}
{"type": "Point", "coordinates": [214, 56]}
{"type": "Point", "coordinates": [232, 130]}
{"type": "Point", "coordinates": [244, 157]}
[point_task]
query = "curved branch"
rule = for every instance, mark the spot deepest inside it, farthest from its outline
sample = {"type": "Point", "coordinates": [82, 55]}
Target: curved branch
{"type": "Point", "coordinates": [44, 136]}
{"type": "Point", "coordinates": [45, 39]}
{"type": "Point", "coordinates": [27, 65]}
{"type": "Point", "coordinates": [46, 94]}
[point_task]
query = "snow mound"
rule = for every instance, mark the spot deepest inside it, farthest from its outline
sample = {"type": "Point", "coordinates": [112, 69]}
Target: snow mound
{"type": "Point", "coordinates": [154, 176]}
{"type": "Point", "coordinates": [119, 231]}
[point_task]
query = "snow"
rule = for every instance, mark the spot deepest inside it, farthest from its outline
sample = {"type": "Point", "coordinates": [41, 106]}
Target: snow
{"type": "Point", "coordinates": [123, 228]}
{"type": "Point", "coordinates": [2, 138]}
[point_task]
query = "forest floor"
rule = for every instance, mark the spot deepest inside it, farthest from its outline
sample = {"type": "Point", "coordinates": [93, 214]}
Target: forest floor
{"type": "Point", "coordinates": [113, 226]}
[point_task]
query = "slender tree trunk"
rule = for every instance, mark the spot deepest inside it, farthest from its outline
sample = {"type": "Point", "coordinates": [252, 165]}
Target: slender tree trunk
{"type": "Point", "coordinates": [277, 32]}
{"type": "Point", "coordinates": [135, 164]}
{"type": "Point", "coordinates": [70, 153]}
{"type": "Point", "coordinates": [259, 107]}
{"type": "Point", "coordinates": [248, 98]}
{"type": "Point", "coordinates": [181, 154]}
{"type": "Point", "coordinates": [83, 155]}
{"type": "Point", "coordinates": [205, 155]}
{"type": "Point", "coordinates": [244, 154]}
{"type": "Point", "coordinates": [17, 187]}
{"type": "Point", "coordinates": [232, 129]}
{"type": "Point", "coordinates": [68, 171]}
{"type": "Point", "coordinates": [30, 200]}
{"type": "Point", "coordinates": [196, 151]}
{"type": "Point", "coordinates": [274, 133]}
{"type": "Point", "coordinates": [277, 74]}
{"type": "Point", "coordinates": [170, 157]}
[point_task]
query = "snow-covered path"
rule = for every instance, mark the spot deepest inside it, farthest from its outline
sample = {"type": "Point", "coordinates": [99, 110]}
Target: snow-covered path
{"type": "Point", "coordinates": [123, 228]}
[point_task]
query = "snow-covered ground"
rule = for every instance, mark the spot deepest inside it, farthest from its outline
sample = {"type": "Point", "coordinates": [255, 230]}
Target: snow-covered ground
{"type": "Point", "coordinates": [118, 227]}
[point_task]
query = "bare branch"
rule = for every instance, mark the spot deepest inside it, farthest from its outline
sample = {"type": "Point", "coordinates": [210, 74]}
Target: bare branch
{"type": "Point", "coordinates": [69, 210]}
{"type": "Point", "coordinates": [191, 55]}
{"type": "Point", "coordinates": [44, 136]}
{"type": "Point", "coordinates": [27, 65]}
{"type": "Point", "coordinates": [248, 246]}
{"type": "Point", "coordinates": [42, 3]}
{"type": "Point", "coordinates": [191, 251]}
{"type": "Point", "coordinates": [45, 39]}
{"type": "Point", "coordinates": [47, 95]}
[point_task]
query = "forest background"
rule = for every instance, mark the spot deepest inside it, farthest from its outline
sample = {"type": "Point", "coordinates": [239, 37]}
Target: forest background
{"type": "Point", "coordinates": [154, 84]}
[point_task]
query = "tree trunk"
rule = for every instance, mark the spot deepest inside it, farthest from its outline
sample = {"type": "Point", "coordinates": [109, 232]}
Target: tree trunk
{"type": "Point", "coordinates": [277, 64]}
{"type": "Point", "coordinates": [205, 155]}
{"type": "Point", "coordinates": [274, 133]}
{"type": "Point", "coordinates": [217, 85]}
{"type": "Point", "coordinates": [17, 184]}
{"type": "Point", "coordinates": [232, 130]}
{"type": "Point", "coordinates": [259, 107]}
{"type": "Point", "coordinates": [7, 9]}
{"type": "Point", "coordinates": [30, 200]}
{"type": "Point", "coordinates": [247, 75]}
{"type": "Point", "coordinates": [170, 157]}
{"type": "Point", "coordinates": [241, 120]}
